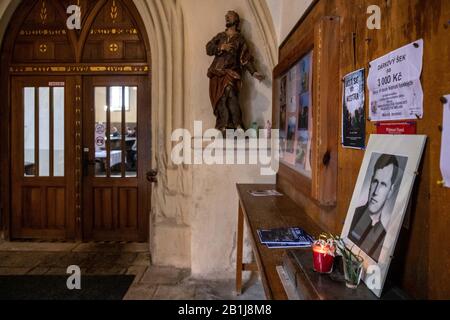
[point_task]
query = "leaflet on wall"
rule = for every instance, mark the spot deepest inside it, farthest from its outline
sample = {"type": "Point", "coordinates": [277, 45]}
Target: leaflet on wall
{"type": "Point", "coordinates": [395, 90]}
{"type": "Point", "coordinates": [445, 147]}
{"type": "Point", "coordinates": [354, 113]}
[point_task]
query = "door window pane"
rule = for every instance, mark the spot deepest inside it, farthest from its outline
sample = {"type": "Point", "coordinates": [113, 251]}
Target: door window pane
{"type": "Point", "coordinates": [131, 138]}
{"type": "Point", "coordinates": [58, 132]}
{"type": "Point", "coordinates": [44, 132]}
{"type": "Point", "coordinates": [101, 108]}
{"type": "Point", "coordinates": [116, 103]}
{"type": "Point", "coordinates": [29, 132]}
{"type": "Point", "coordinates": [116, 131]}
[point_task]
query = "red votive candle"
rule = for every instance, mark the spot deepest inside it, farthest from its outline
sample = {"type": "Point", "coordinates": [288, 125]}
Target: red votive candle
{"type": "Point", "coordinates": [323, 257]}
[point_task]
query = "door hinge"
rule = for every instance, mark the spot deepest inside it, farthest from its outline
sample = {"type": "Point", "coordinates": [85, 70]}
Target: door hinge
{"type": "Point", "coordinates": [78, 220]}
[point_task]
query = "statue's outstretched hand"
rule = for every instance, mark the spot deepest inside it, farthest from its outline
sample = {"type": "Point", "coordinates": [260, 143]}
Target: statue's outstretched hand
{"type": "Point", "coordinates": [259, 76]}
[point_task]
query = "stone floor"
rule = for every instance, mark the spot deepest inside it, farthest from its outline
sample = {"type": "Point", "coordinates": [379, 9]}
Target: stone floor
{"type": "Point", "coordinates": [151, 282]}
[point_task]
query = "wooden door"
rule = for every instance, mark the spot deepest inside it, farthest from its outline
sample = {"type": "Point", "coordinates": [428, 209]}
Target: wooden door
{"type": "Point", "coordinates": [117, 158]}
{"type": "Point", "coordinates": [42, 152]}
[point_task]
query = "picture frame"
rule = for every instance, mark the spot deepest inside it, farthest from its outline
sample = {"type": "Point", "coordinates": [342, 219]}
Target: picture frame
{"type": "Point", "coordinates": [380, 200]}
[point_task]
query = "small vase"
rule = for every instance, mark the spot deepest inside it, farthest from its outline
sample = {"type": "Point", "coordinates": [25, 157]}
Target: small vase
{"type": "Point", "coordinates": [353, 268]}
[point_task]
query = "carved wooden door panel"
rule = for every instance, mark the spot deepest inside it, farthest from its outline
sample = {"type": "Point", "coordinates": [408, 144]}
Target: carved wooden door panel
{"type": "Point", "coordinates": [116, 154]}
{"type": "Point", "coordinates": [42, 149]}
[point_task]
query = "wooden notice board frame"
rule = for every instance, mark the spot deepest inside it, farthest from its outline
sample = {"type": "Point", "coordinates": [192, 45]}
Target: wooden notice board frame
{"type": "Point", "coordinates": [320, 35]}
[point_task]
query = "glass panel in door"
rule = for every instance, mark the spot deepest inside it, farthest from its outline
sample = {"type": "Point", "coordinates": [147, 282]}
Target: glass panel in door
{"type": "Point", "coordinates": [115, 132]}
{"type": "Point", "coordinates": [43, 119]}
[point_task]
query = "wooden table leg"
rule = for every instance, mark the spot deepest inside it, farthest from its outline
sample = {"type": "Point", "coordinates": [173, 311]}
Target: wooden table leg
{"type": "Point", "coordinates": [239, 252]}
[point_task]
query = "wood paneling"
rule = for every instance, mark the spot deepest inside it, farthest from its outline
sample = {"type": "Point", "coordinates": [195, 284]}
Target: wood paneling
{"type": "Point", "coordinates": [56, 208]}
{"type": "Point", "coordinates": [43, 36]}
{"type": "Point", "coordinates": [42, 206]}
{"type": "Point", "coordinates": [422, 260]}
{"type": "Point", "coordinates": [103, 213]}
{"type": "Point", "coordinates": [114, 35]}
{"type": "Point", "coordinates": [116, 208]}
{"type": "Point", "coordinates": [128, 208]}
{"type": "Point", "coordinates": [32, 208]}
{"type": "Point", "coordinates": [326, 98]}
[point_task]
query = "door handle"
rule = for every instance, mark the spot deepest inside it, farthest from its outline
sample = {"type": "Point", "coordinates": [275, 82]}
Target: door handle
{"type": "Point", "coordinates": [152, 176]}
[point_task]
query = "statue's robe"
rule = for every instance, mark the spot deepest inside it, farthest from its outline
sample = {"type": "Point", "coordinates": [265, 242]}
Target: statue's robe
{"type": "Point", "coordinates": [227, 67]}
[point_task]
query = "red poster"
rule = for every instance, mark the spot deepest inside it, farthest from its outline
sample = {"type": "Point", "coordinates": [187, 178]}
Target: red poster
{"type": "Point", "coordinates": [397, 127]}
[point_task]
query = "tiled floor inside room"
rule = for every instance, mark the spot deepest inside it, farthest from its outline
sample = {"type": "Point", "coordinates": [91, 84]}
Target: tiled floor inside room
{"type": "Point", "coordinates": [151, 282]}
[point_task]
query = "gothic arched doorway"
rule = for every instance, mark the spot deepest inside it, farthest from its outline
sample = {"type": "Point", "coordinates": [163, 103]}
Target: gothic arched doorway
{"type": "Point", "coordinates": [78, 104]}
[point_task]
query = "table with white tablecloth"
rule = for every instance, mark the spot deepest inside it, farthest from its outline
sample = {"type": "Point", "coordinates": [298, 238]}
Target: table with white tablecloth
{"type": "Point", "coordinates": [116, 157]}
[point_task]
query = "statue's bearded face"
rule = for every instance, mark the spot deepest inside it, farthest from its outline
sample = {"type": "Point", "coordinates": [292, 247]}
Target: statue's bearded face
{"type": "Point", "coordinates": [231, 19]}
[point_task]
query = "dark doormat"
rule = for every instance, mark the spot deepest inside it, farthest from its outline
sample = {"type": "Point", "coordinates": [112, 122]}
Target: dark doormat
{"type": "Point", "coordinates": [55, 288]}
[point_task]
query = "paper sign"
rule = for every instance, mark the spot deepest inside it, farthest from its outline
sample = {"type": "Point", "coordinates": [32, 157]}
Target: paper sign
{"type": "Point", "coordinates": [445, 146]}
{"type": "Point", "coordinates": [395, 90]}
{"type": "Point", "coordinates": [354, 113]}
{"type": "Point", "coordinates": [100, 139]}
{"type": "Point", "coordinates": [397, 128]}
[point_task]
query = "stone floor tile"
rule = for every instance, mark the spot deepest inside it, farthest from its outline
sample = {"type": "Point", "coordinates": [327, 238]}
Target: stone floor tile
{"type": "Point", "coordinates": [106, 271]}
{"type": "Point", "coordinates": [139, 291]}
{"type": "Point", "coordinates": [38, 271]}
{"type": "Point", "coordinates": [164, 276]}
{"type": "Point", "coordinates": [22, 259]}
{"type": "Point", "coordinates": [142, 259]}
{"type": "Point", "coordinates": [225, 289]}
{"type": "Point", "coordinates": [34, 247]}
{"type": "Point", "coordinates": [58, 272]}
{"type": "Point", "coordinates": [115, 247]}
{"type": "Point", "coordinates": [107, 259]}
{"type": "Point", "coordinates": [63, 260]}
{"type": "Point", "coordinates": [174, 292]}
{"type": "Point", "coordinates": [13, 271]}
{"type": "Point", "coordinates": [137, 271]}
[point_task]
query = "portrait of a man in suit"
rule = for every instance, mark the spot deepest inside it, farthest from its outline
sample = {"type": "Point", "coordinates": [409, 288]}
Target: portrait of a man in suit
{"type": "Point", "coordinates": [371, 221]}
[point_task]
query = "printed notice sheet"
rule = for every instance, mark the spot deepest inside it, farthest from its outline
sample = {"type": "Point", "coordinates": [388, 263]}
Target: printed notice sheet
{"type": "Point", "coordinates": [354, 113]}
{"type": "Point", "coordinates": [395, 90]}
{"type": "Point", "coordinates": [445, 147]}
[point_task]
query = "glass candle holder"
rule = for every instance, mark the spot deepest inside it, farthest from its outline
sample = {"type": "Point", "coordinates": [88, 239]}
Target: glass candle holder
{"type": "Point", "coordinates": [323, 258]}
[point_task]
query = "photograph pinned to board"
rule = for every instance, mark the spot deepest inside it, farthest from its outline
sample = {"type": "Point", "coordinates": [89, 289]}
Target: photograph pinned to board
{"type": "Point", "coordinates": [354, 112]}
{"type": "Point", "coordinates": [445, 144]}
{"type": "Point", "coordinates": [395, 89]}
{"type": "Point", "coordinates": [380, 200]}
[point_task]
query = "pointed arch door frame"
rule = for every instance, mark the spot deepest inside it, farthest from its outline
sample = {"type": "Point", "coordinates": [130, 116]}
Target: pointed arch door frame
{"type": "Point", "coordinates": [77, 71]}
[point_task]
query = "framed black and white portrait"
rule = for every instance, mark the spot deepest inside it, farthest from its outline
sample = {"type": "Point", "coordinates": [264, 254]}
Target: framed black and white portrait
{"type": "Point", "coordinates": [379, 202]}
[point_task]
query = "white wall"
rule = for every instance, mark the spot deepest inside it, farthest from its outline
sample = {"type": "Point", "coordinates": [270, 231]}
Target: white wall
{"type": "Point", "coordinates": [214, 195]}
{"type": "Point", "coordinates": [275, 8]}
{"type": "Point", "coordinates": [285, 15]}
